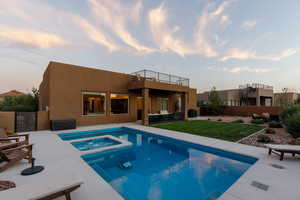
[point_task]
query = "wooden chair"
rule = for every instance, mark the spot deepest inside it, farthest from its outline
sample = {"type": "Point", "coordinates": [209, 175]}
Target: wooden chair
{"type": "Point", "coordinates": [11, 156]}
{"type": "Point", "coordinates": [5, 185]}
{"type": "Point", "coordinates": [5, 138]}
{"type": "Point", "coordinates": [51, 188]}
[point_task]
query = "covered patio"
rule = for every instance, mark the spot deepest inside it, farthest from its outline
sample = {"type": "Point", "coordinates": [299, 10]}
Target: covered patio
{"type": "Point", "coordinates": [160, 97]}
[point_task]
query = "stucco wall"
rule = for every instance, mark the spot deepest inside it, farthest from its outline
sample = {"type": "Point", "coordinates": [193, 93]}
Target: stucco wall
{"type": "Point", "coordinates": [7, 121]}
{"type": "Point", "coordinates": [249, 110]}
{"type": "Point", "coordinates": [43, 122]}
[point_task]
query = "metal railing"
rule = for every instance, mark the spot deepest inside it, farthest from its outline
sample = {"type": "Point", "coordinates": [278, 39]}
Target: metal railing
{"type": "Point", "coordinates": [256, 85]}
{"type": "Point", "coordinates": [162, 77]}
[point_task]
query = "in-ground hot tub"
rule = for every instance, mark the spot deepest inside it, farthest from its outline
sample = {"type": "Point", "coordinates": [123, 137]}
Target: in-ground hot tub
{"type": "Point", "coordinates": [99, 144]}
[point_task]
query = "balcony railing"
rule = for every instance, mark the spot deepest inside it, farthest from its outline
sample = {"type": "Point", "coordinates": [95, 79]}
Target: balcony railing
{"type": "Point", "coordinates": [256, 85]}
{"type": "Point", "coordinates": [162, 77]}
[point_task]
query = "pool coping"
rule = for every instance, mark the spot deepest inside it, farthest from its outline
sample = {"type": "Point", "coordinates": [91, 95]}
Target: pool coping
{"type": "Point", "coordinates": [101, 149]}
{"type": "Point", "coordinates": [282, 184]}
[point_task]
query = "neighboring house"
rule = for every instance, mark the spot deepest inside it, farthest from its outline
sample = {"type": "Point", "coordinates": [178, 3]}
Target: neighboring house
{"type": "Point", "coordinates": [93, 96]}
{"type": "Point", "coordinates": [286, 97]}
{"type": "Point", "coordinates": [246, 95]}
{"type": "Point", "coordinates": [12, 92]}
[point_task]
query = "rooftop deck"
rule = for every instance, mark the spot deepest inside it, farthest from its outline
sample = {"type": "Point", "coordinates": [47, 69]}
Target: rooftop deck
{"type": "Point", "coordinates": [162, 77]}
{"type": "Point", "coordinates": [256, 85]}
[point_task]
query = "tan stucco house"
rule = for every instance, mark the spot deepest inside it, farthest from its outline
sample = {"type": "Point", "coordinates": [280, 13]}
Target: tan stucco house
{"type": "Point", "coordinates": [246, 95]}
{"type": "Point", "coordinates": [92, 96]}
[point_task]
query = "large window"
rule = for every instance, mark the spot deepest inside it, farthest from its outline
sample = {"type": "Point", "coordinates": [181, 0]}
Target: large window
{"type": "Point", "coordinates": [93, 103]}
{"type": "Point", "coordinates": [119, 103]}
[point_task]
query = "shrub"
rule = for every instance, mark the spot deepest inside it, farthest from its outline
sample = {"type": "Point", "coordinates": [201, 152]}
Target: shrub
{"type": "Point", "coordinates": [275, 124]}
{"type": "Point", "coordinates": [293, 125]}
{"type": "Point", "coordinates": [21, 103]}
{"type": "Point", "coordinates": [238, 121]}
{"type": "Point", "coordinates": [270, 131]}
{"type": "Point", "coordinates": [264, 139]}
{"type": "Point", "coordinates": [288, 112]}
{"type": "Point", "coordinates": [257, 121]}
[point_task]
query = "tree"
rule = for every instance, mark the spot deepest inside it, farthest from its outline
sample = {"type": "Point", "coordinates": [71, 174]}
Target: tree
{"type": "Point", "coordinates": [21, 103]}
{"type": "Point", "coordinates": [215, 105]}
{"type": "Point", "coordinates": [282, 100]}
{"type": "Point", "coordinates": [214, 98]}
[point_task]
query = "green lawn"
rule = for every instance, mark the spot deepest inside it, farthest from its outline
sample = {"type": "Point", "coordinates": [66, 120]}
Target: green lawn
{"type": "Point", "coordinates": [221, 130]}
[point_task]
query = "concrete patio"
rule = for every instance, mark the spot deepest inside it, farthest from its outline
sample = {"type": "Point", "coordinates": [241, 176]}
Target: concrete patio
{"type": "Point", "coordinates": [59, 157]}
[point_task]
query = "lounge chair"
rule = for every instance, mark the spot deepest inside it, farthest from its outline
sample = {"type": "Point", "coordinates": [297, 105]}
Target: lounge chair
{"type": "Point", "coordinates": [46, 189]}
{"type": "Point", "coordinates": [5, 185]}
{"type": "Point", "coordinates": [280, 150]}
{"type": "Point", "coordinates": [5, 138]}
{"type": "Point", "coordinates": [9, 145]}
{"type": "Point", "coordinates": [9, 157]}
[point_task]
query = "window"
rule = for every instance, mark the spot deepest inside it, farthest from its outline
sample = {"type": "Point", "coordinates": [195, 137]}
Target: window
{"type": "Point", "coordinates": [163, 105]}
{"type": "Point", "coordinates": [93, 103]}
{"type": "Point", "coordinates": [119, 103]}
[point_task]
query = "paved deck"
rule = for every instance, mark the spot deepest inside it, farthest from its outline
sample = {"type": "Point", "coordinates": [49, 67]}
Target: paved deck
{"type": "Point", "coordinates": [60, 157]}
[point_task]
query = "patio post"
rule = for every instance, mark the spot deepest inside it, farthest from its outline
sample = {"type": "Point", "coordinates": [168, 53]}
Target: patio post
{"type": "Point", "coordinates": [145, 118]}
{"type": "Point", "coordinates": [185, 107]}
{"type": "Point", "coordinates": [258, 100]}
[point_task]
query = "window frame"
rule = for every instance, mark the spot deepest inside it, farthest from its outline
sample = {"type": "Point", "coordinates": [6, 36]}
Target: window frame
{"type": "Point", "coordinates": [93, 93]}
{"type": "Point", "coordinates": [127, 106]}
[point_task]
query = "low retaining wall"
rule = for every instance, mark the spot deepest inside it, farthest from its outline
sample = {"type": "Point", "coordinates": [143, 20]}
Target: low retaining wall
{"type": "Point", "coordinates": [7, 121]}
{"type": "Point", "coordinates": [250, 110]}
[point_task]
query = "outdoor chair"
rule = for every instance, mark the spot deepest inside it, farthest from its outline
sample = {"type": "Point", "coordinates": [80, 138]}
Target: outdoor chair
{"type": "Point", "coordinates": [9, 145]}
{"type": "Point", "coordinates": [46, 189]}
{"type": "Point", "coordinates": [10, 157]}
{"type": "Point", "coordinates": [5, 185]}
{"type": "Point", "coordinates": [5, 138]}
{"type": "Point", "coordinates": [280, 150]}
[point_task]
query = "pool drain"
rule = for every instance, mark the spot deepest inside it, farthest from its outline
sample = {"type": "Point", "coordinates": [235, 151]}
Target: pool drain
{"type": "Point", "coordinates": [260, 185]}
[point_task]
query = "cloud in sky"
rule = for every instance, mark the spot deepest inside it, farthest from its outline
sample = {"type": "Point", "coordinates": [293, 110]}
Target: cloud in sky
{"type": "Point", "coordinates": [206, 19]}
{"type": "Point", "coordinates": [95, 33]}
{"type": "Point", "coordinates": [114, 15]}
{"type": "Point", "coordinates": [247, 25]}
{"type": "Point", "coordinates": [164, 35]}
{"type": "Point", "coordinates": [242, 69]}
{"type": "Point", "coordinates": [31, 38]}
{"type": "Point", "coordinates": [238, 54]}
{"type": "Point", "coordinates": [108, 24]}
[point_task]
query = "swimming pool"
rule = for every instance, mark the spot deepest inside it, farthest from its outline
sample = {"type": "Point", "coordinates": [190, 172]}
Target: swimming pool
{"type": "Point", "coordinates": [162, 168]}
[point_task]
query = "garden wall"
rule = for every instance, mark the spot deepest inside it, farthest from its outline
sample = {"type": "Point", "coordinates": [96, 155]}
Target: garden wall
{"type": "Point", "coordinates": [7, 121]}
{"type": "Point", "coordinates": [249, 110]}
{"type": "Point", "coordinates": [43, 122]}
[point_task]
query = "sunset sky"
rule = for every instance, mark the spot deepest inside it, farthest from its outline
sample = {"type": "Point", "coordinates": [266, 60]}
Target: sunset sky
{"type": "Point", "coordinates": [212, 42]}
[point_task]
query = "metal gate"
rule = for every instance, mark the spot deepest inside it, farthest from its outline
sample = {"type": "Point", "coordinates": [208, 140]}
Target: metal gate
{"type": "Point", "coordinates": [25, 121]}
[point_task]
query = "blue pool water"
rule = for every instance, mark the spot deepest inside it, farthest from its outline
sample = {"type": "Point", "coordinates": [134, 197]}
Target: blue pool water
{"type": "Point", "coordinates": [94, 144]}
{"type": "Point", "coordinates": [163, 168]}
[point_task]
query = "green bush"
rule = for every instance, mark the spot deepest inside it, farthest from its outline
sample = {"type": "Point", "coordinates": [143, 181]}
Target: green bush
{"type": "Point", "coordinates": [264, 139]}
{"type": "Point", "coordinates": [20, 103]}
{"type": "Point", "coordinates": [288, 112]}
{"type": "Point", "coordinates": [257, 121]}
{"type": "Point", "coordinates": [293, 125]}
{"type": "Point", "coordinates": [238, 121]}
{"type": "Point", "coordinates": [275, 124]}
{"type": "Point", "coordinates": [270, 131]}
